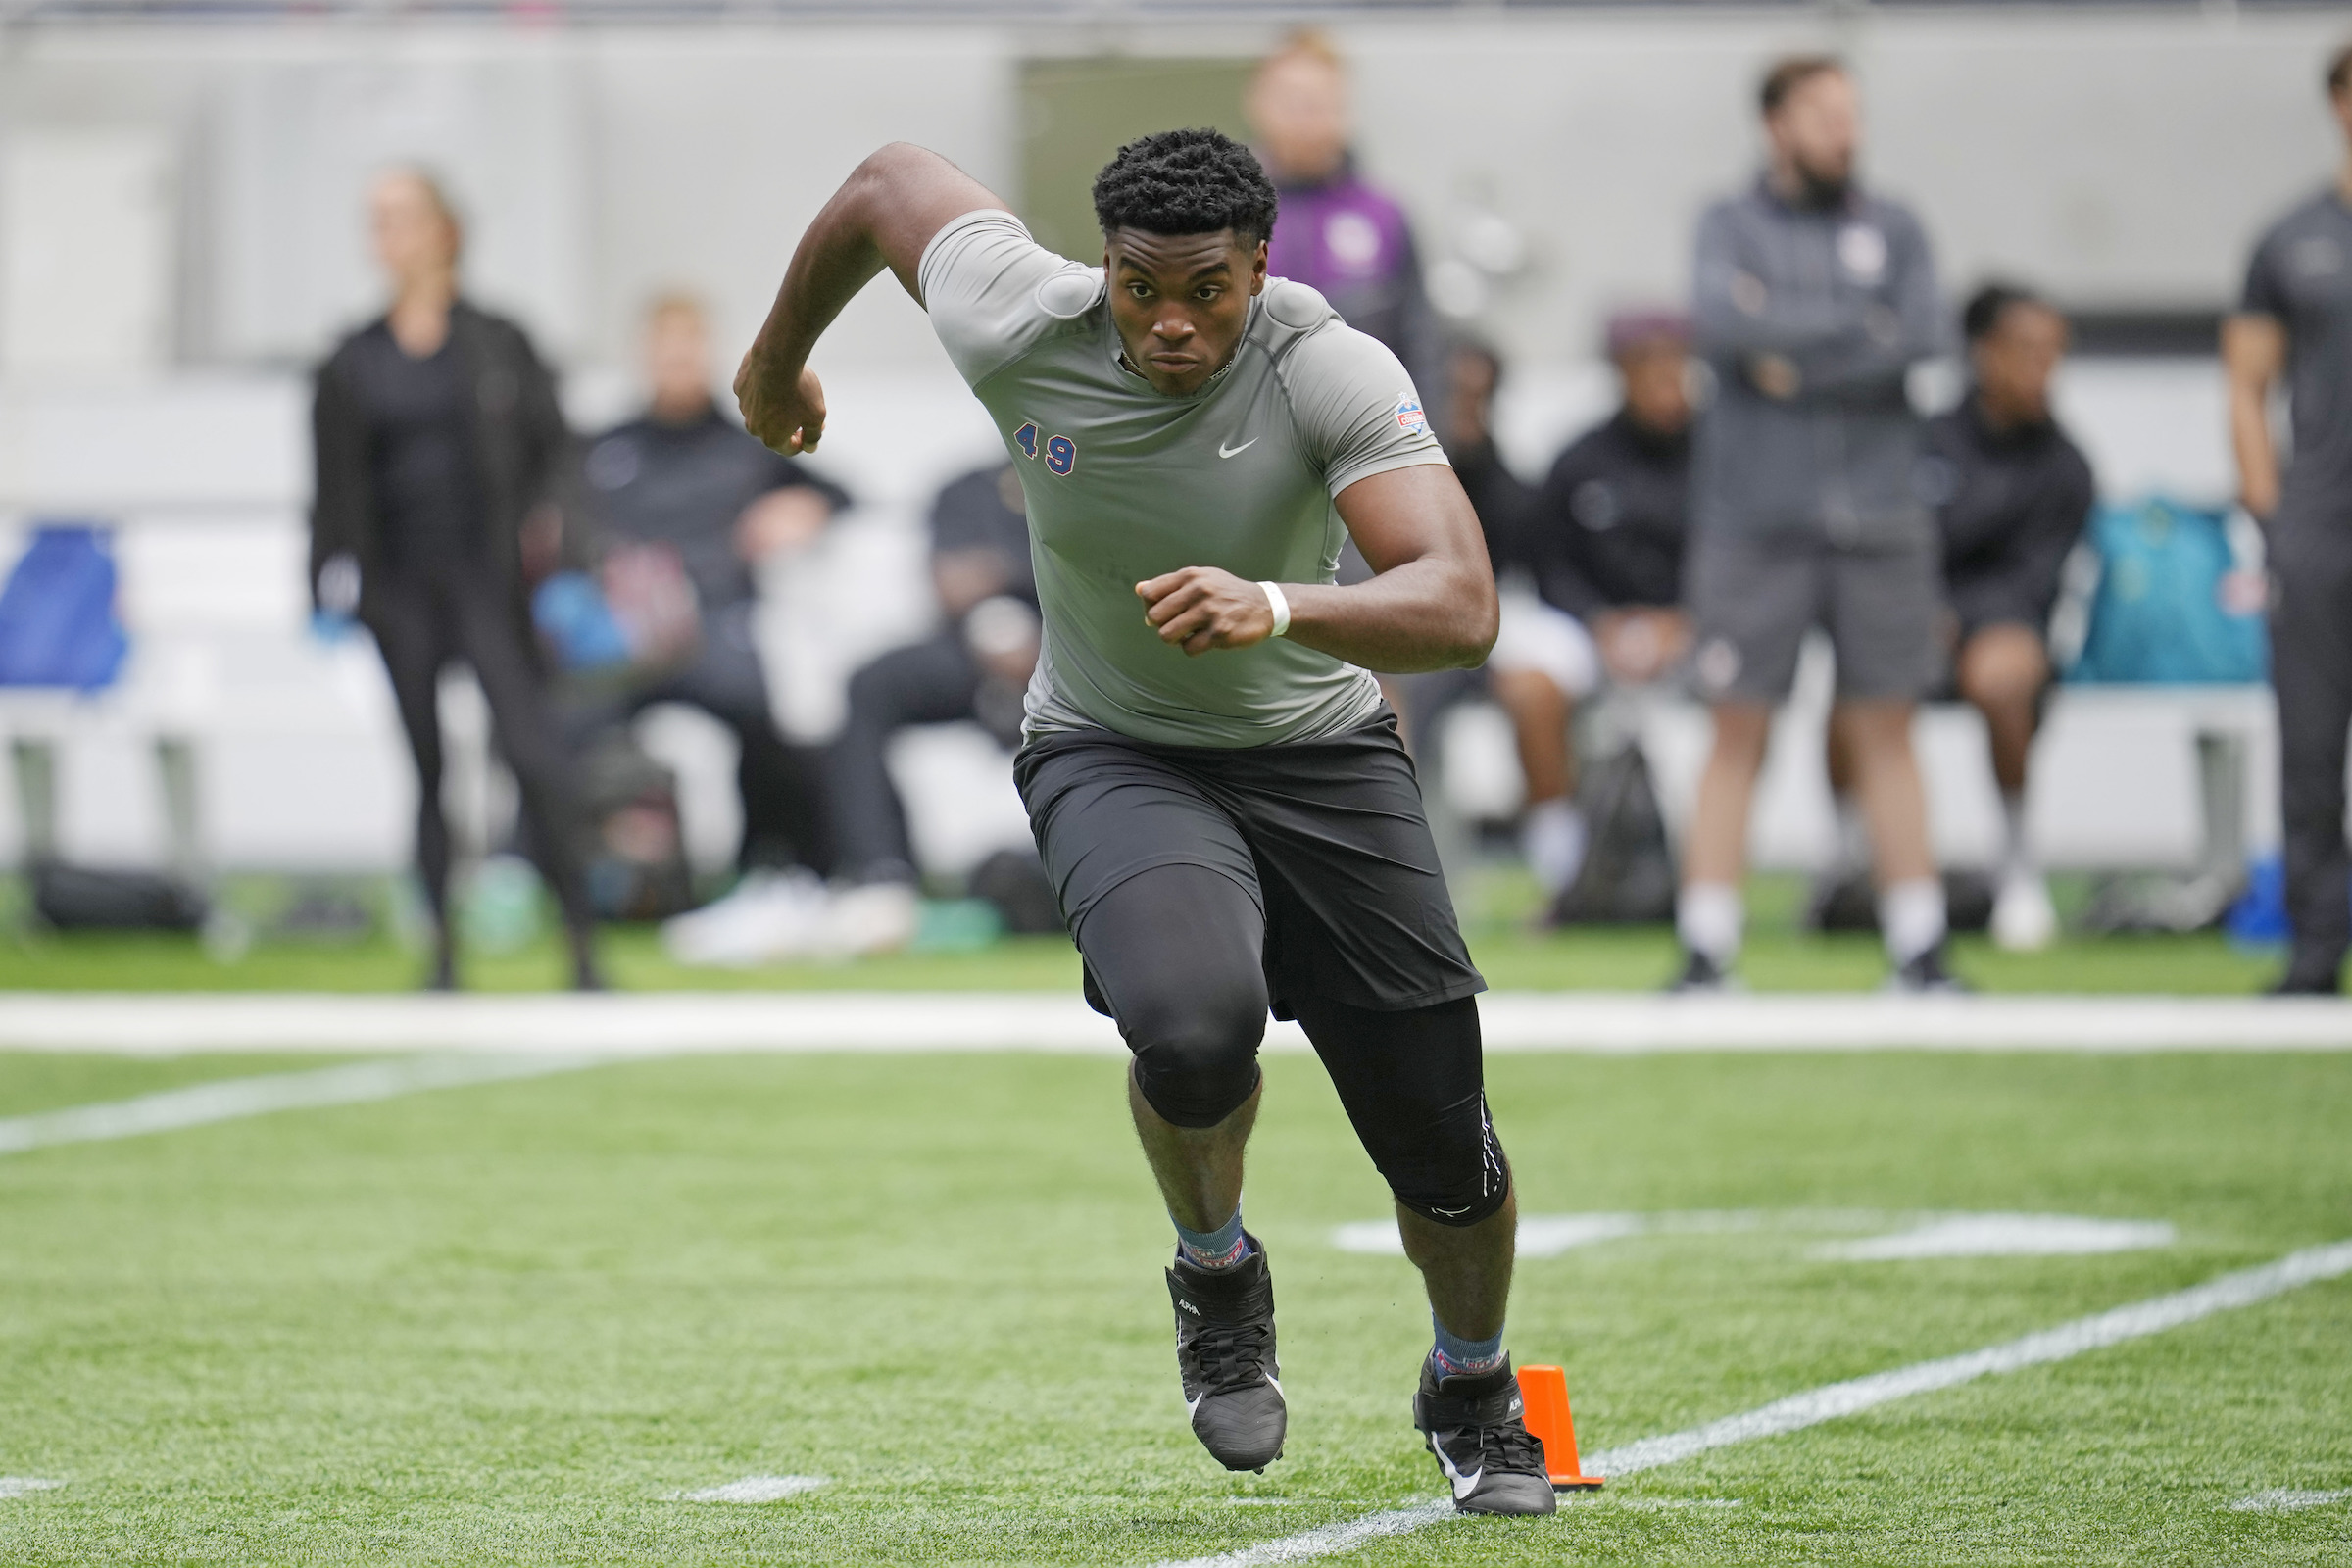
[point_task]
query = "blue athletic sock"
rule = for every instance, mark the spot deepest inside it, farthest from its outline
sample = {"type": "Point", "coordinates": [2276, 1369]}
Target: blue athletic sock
{"type": "Point", "coordinates": [1453, 1355]}
{"type": "Point", "coordinates": [1223, 1248]}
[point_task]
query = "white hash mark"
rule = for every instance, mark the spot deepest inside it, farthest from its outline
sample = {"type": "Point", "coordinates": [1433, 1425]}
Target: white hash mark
{"type": "Point", "coordinates": [2287, 1500]}
{"type": "Point", "coordinates": [24, 1485]}
{"type": "Point", "coordinates": [756, 1489]}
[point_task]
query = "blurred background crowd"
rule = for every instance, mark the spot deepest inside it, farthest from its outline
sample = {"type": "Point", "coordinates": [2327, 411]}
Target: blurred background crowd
{"type": "Point", "coordinates": [1876, 414]}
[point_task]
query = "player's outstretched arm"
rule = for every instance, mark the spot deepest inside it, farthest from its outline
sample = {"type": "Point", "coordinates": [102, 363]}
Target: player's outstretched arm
{"type": "Point", "coordinates": [1431, 606]}
{"type": "Point", "coordinates": [882, 217]}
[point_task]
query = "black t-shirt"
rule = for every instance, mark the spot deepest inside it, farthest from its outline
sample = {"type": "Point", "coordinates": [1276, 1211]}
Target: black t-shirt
{"type": "Point", "coordinates": [1499, 498]}
{"type": "Point", "coordinates": [1606, 529]}
{"type": "Point", "coordinates": [982, 511]}
{"type": "Point", "coordinates": [2302, 274]}
{"type": "Point", "coordinates": [421, 452]}
{"type": "Point", "coordinates": [2010, 505]}
{"type": "Point", "coordinates": [685, 485]}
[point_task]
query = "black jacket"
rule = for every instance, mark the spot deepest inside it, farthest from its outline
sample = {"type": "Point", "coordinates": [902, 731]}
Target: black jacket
{"type": "Point", "coordinates": [523, 452]}
{"type": "Point", "coordinates": [2010, 505]}
{"type": "Point", "coordinates": [1607, 529]}
{"type": "Point", "coordinates": [686, 485]}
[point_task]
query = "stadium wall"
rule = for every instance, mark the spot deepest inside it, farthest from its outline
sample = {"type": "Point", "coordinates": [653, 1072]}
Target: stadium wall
{"type": "Point", "coordinates": [2120, 158]}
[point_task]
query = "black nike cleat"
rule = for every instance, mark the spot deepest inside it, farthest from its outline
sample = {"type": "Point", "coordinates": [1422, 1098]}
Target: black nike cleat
{"type": "Point", "coordinates": [1225, 1350]}
{"type": "Point", "coordinates": [1475, 1424]}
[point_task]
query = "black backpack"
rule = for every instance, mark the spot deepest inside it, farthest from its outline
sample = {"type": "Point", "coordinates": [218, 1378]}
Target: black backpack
{"type": "Point", "coordinates": [1628, 877]}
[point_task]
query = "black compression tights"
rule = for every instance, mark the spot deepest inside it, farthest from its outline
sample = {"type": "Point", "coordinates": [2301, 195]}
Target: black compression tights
{"type": "Point", "coordinates": [1175, 954]}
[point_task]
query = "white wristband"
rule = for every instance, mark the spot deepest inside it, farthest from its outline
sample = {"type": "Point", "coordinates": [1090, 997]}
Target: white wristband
{"type": "Point", "coordinates": [1279, 605]}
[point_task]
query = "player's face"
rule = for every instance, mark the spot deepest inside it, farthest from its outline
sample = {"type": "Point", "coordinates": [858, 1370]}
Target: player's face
{"type": "Point", "coordinates": [1181, 302]}
{"type": "Point", "coordinates": [1819, 127]}
{"type": "Point", "coordinates": [2341, 103]}
{"type": "Point", "coordinates": [2014, 362]}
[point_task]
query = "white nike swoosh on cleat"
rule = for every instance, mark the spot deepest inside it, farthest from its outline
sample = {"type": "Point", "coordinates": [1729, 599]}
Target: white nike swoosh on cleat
{"type": "Point", "coordinates": [1464, 1485]}
{"type": "Point", "coordinates": [1237, 451]}
{"type": "Point", "coordinates": [1193, 1404]}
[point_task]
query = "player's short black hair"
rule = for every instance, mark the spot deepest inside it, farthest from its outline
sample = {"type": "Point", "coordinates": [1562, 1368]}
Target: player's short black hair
{"type": "Point", "coordinates": [2339, 73]}
{"type": "Point", "coordinates": [1981, 316]}
{"type": "Point", "coordinates": [1185, 183]}
{"type": "Point", "coordinates": [1790, 72]}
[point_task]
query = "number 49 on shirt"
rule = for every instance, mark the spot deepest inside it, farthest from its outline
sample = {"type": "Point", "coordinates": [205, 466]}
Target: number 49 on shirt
{"type": "Point", "coordinates": [1061, 453]}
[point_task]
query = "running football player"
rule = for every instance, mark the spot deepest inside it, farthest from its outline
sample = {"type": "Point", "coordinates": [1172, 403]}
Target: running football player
{"type": "Point", "coordinates": [1215, 785]}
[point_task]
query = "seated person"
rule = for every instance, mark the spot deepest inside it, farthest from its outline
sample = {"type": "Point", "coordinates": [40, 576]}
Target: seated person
{"type": "Point", "coordinates": [2011, 494]}
{"type": "Point", "coordinates": [975, 667]}
{"type": "Point", "coordinates": [684, 492]}
{"type": "Point", "coordinates": [1602, 543]}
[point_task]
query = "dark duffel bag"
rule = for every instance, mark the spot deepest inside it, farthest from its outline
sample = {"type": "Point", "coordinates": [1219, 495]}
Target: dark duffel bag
{"type": "Point", "coordinates": [76, 897]}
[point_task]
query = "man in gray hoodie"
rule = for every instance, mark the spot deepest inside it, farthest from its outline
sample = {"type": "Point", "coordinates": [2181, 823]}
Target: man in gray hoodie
{"type": "Point", "coordinates": [1812, 300]}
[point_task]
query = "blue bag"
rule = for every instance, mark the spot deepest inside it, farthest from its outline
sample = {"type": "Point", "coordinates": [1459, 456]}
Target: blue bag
{"type": "Point", "coordinates": [571, 612]}
{"type": "Point", "coordinates": [57, 614]}
{"type": "Point", "coordinates": [2172, 607]}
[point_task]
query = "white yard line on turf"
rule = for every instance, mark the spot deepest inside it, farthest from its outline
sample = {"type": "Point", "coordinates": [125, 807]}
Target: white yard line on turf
{"type": "Point", "coordinates": [24, 1485]}
{"type": "Point", "coordinates": [2224, 1293]}
{"type": "Point", "coordinates": [755, 1489]}
{"type": "Point", "coordinates": [679, 1022]}
{"type": "Point", "coordinates": [2287, 1500]}
{"type": "Point", "coordinates": [230, 1099]}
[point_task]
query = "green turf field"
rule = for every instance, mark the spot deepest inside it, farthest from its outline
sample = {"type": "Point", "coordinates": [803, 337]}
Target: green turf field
{"type": "Point", "coordinates": [500, 1324]}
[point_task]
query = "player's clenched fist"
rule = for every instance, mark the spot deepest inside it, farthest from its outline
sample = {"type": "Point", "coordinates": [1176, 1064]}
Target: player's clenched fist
{"type": "Point", "coordinates": [789, 418]}
{"type": "Point", "coordinates": [1200, 608]}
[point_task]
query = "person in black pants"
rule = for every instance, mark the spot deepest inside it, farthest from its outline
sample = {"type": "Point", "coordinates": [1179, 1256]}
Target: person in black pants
{"type": "Point", "coordinates": [440, 455]}
{"type": "Point", "coordinates": [2295, 320]}
{"type": "Point", "coordinates": [683, 479]}
{"type": "Point", "coordinates": [975, 667]}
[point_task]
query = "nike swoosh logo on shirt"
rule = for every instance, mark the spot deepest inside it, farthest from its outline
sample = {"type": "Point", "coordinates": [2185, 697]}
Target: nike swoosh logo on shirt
{"type": "Point", "coordinates": [1237, 451]}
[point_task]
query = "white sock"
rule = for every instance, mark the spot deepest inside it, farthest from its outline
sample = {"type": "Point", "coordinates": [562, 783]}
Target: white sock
{"type": "Point", "coordinates": [1708, 917]}
{"type": "Point", "coordinates": [2017, 860]}
{"type": "Point", "coordinates": [1552, 835]}
{"type": "Point", "coordinates": [1853, 838]}
{"type": "Point", "coordinates": [1911, 917]}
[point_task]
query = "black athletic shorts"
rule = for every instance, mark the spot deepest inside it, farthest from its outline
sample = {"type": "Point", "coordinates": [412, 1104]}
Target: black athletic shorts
{"type": "Point", "coordinates": [1328, 838]}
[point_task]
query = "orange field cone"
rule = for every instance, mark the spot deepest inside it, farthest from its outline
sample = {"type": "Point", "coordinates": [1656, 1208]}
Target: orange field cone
{"type": "Point", "coordinates": [1544, 1391]}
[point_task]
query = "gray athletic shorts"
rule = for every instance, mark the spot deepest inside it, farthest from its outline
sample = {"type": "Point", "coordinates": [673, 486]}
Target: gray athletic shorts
{"type": "Point", "coordinates": [1755, 597]}
{"type": "Point", "coordinates": [1327, 837]}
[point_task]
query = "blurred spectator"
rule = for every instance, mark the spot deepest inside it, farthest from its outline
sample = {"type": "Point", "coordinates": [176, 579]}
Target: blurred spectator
{"type": "Point", "coordinates": [2011, 494]}
{"type": "Point", "coordinates": [1601, 545]}
{"type": "Point", "coordinates": [1813, 299]}
{"type": "Point", "coordinates": [975, 667]}
{"type": "Point", "coordinates": [2295, 321]}
{"type": "Point", "coordinates": [441, 454]}
{"type": "Point", "coordinates": [1464, 424]}
{"type": "Point", "coordinates": [1336, 232]}
{"type": "Point", "coordinates": [686, 493]}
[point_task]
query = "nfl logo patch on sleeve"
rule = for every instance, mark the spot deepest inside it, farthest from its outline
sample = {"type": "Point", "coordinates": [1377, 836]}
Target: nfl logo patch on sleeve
{"type": "Point", "coordinates": [1409, 416]}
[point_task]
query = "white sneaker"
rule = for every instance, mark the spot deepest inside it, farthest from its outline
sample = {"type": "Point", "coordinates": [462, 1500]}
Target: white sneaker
{"type": "Point", "coordinates": [771, 915]}
{"type": "Point", "coordinates": [877, 917]}
{"type": "Point", "coordinates": [2022, 918]}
